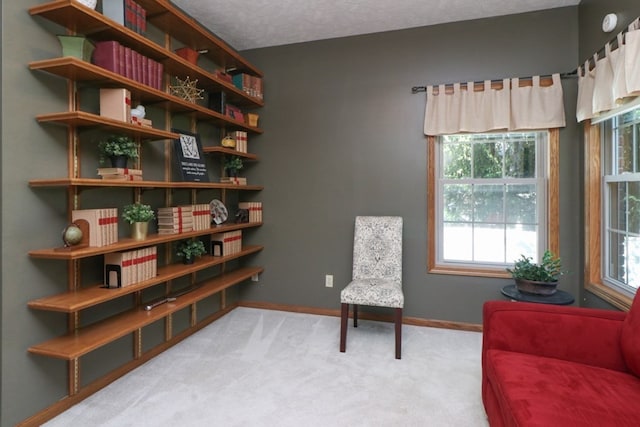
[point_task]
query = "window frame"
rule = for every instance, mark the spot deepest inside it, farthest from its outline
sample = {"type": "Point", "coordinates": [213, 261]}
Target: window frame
{"type": "Point", "coordinates": [552, 203]}
{"type": "Point", "coordinates": [594, 281]}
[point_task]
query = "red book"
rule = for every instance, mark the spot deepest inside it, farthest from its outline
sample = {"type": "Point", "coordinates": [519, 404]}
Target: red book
{"type": "Point", "coordinates": [106, 55]}
{"type": "Point", "coordinates": [144, 70]}
{"type": "Point", "coordinates": [159, 74]}
{"type": "Point", "coordinates": [121, 64]}
{"type": "Point", "coordinates": [128, 63]}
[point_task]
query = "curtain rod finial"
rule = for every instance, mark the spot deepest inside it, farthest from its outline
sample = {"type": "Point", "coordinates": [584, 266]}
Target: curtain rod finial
{"type": "Point", "coordinates": [417, 89]}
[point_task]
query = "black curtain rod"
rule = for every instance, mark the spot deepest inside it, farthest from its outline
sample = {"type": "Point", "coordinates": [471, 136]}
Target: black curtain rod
{"type": "Point", "coordinates": [569, 75]}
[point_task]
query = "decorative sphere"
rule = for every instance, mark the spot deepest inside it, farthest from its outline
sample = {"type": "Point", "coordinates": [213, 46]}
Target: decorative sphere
{"type": "Point", "coordinates": [71, 235]}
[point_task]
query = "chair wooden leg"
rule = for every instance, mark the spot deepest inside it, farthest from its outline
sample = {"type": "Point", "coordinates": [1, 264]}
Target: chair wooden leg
{"type": "Point", "coordinates": [355, 315]}
{"type": "Point", "coordinates": [398, 323]}
{"type": "Point", "coordinates": [344, 316]}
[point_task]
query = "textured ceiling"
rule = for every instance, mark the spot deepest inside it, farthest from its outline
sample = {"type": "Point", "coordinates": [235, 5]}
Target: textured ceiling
{"type": "Point", "coordinates": [260, 23]}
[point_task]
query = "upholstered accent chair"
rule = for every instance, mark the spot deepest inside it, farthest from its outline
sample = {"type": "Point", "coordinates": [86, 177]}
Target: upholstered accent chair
{"type": "Point", "coordinates": [377, 272]}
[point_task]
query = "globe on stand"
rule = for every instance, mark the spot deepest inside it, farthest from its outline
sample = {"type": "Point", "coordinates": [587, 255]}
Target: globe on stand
{"type": "Point", "coordinates": [71, 235]}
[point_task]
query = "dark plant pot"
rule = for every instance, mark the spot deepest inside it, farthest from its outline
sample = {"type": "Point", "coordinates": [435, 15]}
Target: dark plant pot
{"type": "Point", "coordinates": [536, 288]}
{"type": "Point", "coordinates": [188, 261]}
{"type": "Point", "coordinates": [232, 172]}
{"type": "Point", "coordinates": [119, 161]}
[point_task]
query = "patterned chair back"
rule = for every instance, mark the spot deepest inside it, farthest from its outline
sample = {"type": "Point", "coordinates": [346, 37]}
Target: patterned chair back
{"type": "Point", "coordinates": [377, 248]}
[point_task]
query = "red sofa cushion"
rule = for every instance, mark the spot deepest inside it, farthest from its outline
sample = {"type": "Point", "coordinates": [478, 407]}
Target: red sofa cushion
{"type": "Point", "coordinates": [630, 337]}
{"type": "Point", "coordinates": [541, 391]}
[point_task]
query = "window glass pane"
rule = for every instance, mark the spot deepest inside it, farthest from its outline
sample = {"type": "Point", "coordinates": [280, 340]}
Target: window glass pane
{"type": "Point", "coordinates": [625, 149]}
{"type": "Point", "coordinates": [488, 203]}
{"type": "Point", "coordinates": [616, 263]}
{"type": "Point", "coordinates": [457, 161]}
{"type": "Point", "coordinates": [458, 202]}
{"type": "Point", "coordinates": [520, 159]}
{"type": "Point", "coordinates": [632, 261]}
{"type": "Point", "coordinates": [617, 212]}
{"type": "Point", "coordinates": [522, 240]}
{"type": "Point", "coordinates": [457, 242]}
{"type": "Point", "coordinates": [633, 206]}
{"type": "Point", "coordinates": [487, 160]}
{"type": "Point", "coordinates": [521, 204]}
{"type": "Point", "coordinates": [488, 243]}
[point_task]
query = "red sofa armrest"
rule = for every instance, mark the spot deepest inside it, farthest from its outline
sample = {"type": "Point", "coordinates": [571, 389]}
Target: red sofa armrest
{"type": "Point", "coordinates": [583, 335]}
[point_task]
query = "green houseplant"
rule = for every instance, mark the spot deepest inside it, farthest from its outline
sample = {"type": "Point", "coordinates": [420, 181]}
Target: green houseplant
{"type": "Point", "coordinates": [138, 215]}
{"type": "Point", "coordinates": [118, 148]}
{"type": "Point", "coordinates": [189, 249]}
{"type": "Point", "coordinates": [538, 279]}
{"type": "Point", "coordinates": [232, 165]}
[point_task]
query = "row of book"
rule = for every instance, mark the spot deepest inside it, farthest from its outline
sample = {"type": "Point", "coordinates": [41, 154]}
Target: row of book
{"type": "Point", "coordinates": [103, 225]}
{"type": "Point", "coordinates": [127, 268]}
{"type": "Point", "coordinates": [254, 208]}
{"type": "Point", "coordinates": [224, 244]}
{"type": "Point", "coordinates": [180, 219]}
{"type": "Point", "coordinates": [127, 13]}
{"type": "Point", "coordinates": [240, 137]}
{"type": "Point", "coordinates": [126, 62]}
{"type": "Point", "coordinates": [251, 85]}
{"type": "Point", "coordinates": [233, 180]}
{"type": "Point", "coordinates": [120, 174]}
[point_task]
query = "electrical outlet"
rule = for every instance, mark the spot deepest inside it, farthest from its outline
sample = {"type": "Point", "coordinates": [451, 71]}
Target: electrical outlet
{"type": "Point", "coordinates": [328, 281]}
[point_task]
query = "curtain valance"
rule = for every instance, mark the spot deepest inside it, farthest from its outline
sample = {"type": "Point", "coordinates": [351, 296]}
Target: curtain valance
{"type": "Point", "coordinates": [614, 81]}
{"type": "Point", "coordinates": [513, 105]}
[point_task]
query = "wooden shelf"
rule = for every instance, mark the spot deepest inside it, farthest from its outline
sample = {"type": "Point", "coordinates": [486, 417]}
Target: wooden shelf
{"type": "Point", "coordinates": [85, 340]}
{"type": "Point", "coordinates": [79, 70]}
{"type": "Point", "coordinates": [86, 21]}
{"type": "Point", "coordinates": [83, 119]}
{"type": "Point", "coordinates": [93, 182]}
{"type": "Point", "coordinates": [128, 243]}
{"type": "Point", "coordinates": [169, 18]}
{"type": "Point", "coordinates": [229, 151]}
{"type": "Point", "coordinates": [70, 302]}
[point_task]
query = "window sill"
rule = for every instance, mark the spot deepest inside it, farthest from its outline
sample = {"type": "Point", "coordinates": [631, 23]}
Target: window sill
{"type": "Point", "coordinates": [617, 299]}
{"type": "Point", "coordinates": [466, 271]}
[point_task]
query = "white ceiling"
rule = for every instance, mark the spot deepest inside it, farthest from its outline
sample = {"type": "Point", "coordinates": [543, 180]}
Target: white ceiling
{"type": "Point", "coordinates": [252, 24]}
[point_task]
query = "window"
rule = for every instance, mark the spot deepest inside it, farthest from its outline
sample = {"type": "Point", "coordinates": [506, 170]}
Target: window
{"type": "Point", "coordinates": [620, 145]}
{"type": "Point", "coordinates": [488, 199]}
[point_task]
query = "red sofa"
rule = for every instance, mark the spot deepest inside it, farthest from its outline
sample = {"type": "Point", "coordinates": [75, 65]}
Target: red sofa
{"type": "Point", "coordinates": [546, 365]}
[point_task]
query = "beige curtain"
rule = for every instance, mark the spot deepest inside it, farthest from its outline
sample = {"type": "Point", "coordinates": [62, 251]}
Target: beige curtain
{"type": "Point", "coordinates": [483, 108]}
{"type": "Point", "coordinates": [614, 82]}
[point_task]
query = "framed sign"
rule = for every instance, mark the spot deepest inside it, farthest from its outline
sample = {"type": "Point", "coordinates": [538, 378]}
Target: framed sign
{"type": "Point", "coordinates": [189, 157]}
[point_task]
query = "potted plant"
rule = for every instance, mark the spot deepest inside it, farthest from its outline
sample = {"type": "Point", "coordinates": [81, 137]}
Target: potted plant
{"type": "Point", "coordinates": [537, 279]}
{"type": "Point", "coordinates": [138, 215]}
{"type": "Point", "coordinates": [232, 164]}
{"type": "Point", "coordinates": [189, 249]}
{"type": "Point", "coordinates": [118, 148]}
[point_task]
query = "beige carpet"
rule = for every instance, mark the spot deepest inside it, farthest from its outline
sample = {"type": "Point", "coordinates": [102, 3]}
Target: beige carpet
{"type": "Point", "coordinates": [271, 368]}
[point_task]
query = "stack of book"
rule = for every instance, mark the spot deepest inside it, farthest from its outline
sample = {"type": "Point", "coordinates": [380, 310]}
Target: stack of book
{"type": "Point", "coordinates": [235, 180]}
{"type": "Point", "coordinates": [251, 85]}
{"type": "Point", "coordinates": [121, 174]}
{"type": "Point", "coordinates": [254, 208]}
{"type": "Point", "coordinates": [127, 13]}
{"type": "Point", "coordinates": [224, 244]}
{"type": "Point", "coordinates": [173, 220]}
{"type": "Point", "coordinates": [115, 104]}
{"type": "Point", "coordinates": [241, 140]}
{"type": "Point", "coordinates": [201, 216]}
{"type": "Point", "coordinates": [126, 62]}
{"type": "Point", "coordinates": [103, 225]}
{"type": "Point", "coordinates": [127, 268]}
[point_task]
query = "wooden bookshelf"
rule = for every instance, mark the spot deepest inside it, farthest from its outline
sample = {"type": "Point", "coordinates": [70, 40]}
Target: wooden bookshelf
{"type": "Point", "coordinates": [98, 182]}
{"type": "Point", "coordinates": [230, 152]}
{"type": "Point", "coordinates": [69, 302]}
{"type": "Point", "coordinates": [82, 341]}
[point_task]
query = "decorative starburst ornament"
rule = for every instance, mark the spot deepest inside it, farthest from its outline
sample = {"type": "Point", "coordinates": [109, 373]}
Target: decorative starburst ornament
{"type": "Point", "coordinates": [187, 90]}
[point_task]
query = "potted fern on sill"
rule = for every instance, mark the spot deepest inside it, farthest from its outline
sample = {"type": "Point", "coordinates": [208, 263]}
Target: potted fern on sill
{"type": "Point", "coordinates": [537, 279]}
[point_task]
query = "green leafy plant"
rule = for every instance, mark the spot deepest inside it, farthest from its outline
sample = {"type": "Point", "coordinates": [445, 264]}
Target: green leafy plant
{"type": "Point", "coordinates": [232, 163]}
{"type": "Point", "coordinates": [138, 212]}
{"type": "Point", "coordinates": [188, 249]}
{"type": "Point", "coordinates": [117, 145]}
{"type": "Point", "coordinates": [549, 270]}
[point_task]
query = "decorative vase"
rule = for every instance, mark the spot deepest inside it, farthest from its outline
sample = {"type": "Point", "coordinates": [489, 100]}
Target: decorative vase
{"type": "Point", "coordinates": [536, 288]}
{"type": "Point", "coordinates": [76, 46]}
{"type": "Point", "coordinates": [253, 119]}
{"type": "Point", "coordinates": [89, 3]}
{"type": "Point", "coordinates": [119, 161]}
{"type": "Point", "coordinates": [139, 230]}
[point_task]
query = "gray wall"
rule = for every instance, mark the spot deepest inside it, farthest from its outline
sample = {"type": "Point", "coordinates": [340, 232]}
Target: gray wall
{"type": "Point", "coordinates": [343, 137]}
